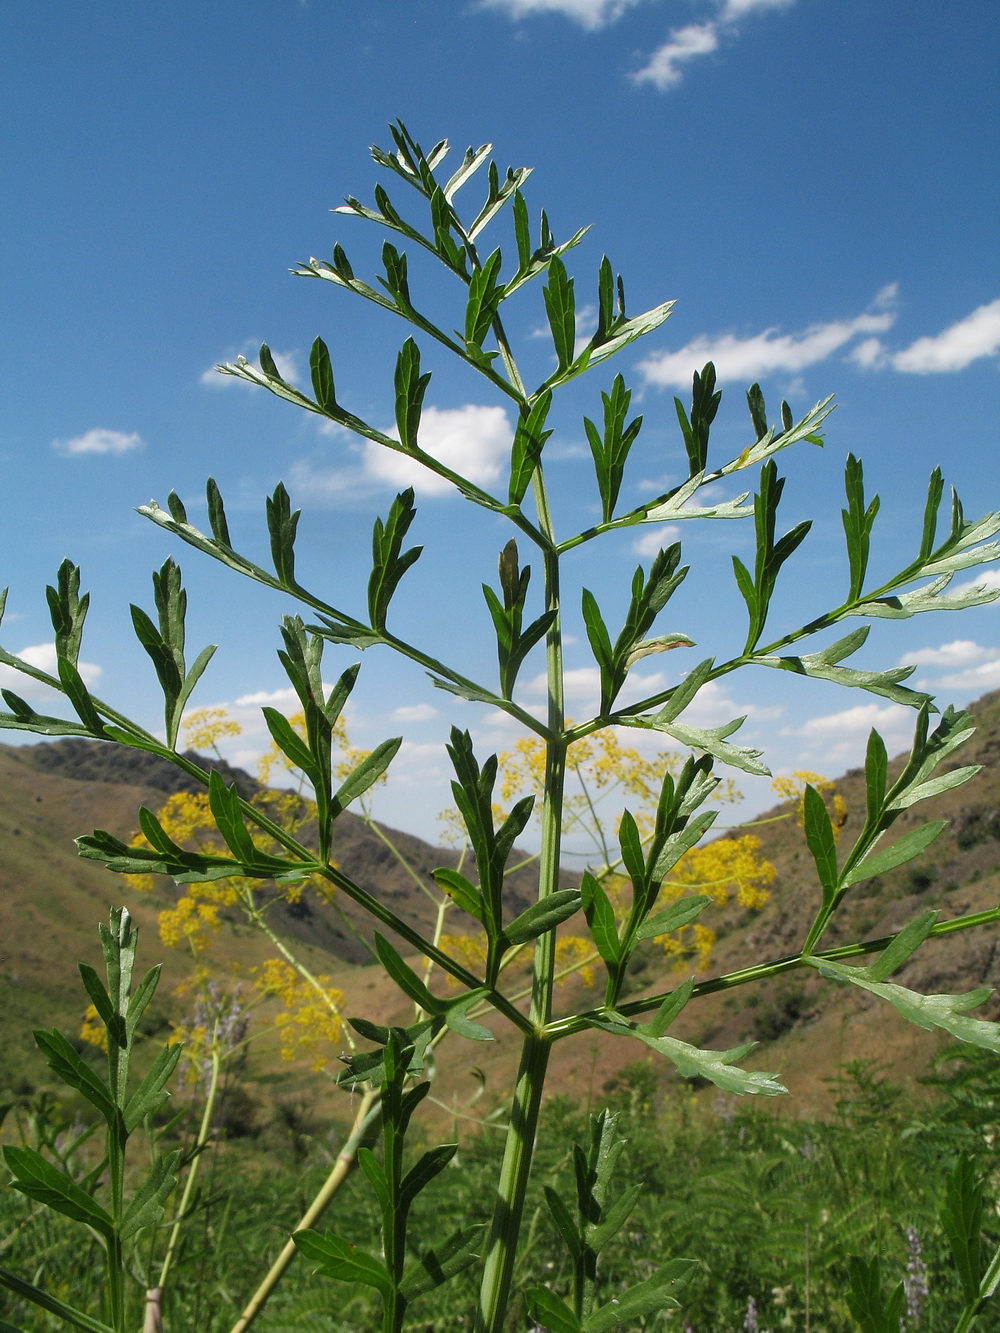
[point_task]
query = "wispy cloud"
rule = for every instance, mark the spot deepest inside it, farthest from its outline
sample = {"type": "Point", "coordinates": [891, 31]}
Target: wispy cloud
{"type": "Point", "coordinates": [664, 67]}
{"type": "Point", "coordinates": [958, 653]}
{"type": "Point", "coordinates": [656, 539]}
{"type": "Point", "coordinates": [769, 352]}
{"type": "Point", "coordinates": [975, 336]}
{"type": "Point", "coordinates": [414, 713]}
{"type": "Point", "coordinates": [590, 14]}
{"type": "Point", "coordinates": [100, 441]}
{"type": "Point", "coordinates": [472, 440]}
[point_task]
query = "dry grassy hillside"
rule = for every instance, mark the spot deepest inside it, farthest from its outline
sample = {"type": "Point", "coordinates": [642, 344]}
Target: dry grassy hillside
{"type": "Point", "coordinates": [50, 902]}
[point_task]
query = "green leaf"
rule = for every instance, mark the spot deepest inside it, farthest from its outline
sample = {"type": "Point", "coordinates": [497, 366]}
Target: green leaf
{"type": "Point", "coordinates": [904, 849]}
{"type": "Point", "coordinates": [716, 1066]}
{"type": "Point", "coordinates": [550, 1311]}
{"type": "Point", "coordinates": [565, 1224]}
{"type": "Point", "coordinates": [902, 947]}
{"type": "Point", "coordinates": [66, 1063]}
{"type": "Point", "coordinates": [151, 1092]}
{"type": "Point", "coordinates": [322, 378]}
{"type": "Point", "coordinates": [945, 1012]}
{"type": "Point", "coordinates": [658, 1292]}
{"type": "Point", "coordinates": [342, 1261]}
{"type": "Point", "coordinates": [405, 978]}
{"type": "Point", "coordinates": [820, 839]}
{"type": "Point", "coordinates": [711, 740]}
{"type": "Point", "coordinates": [27, 1292]}
{"type": "Point", "coordinates": [40, 1180]}
{"type": "Point", "coordinates": [529, 441]}
{"type": "Point", "coordinates": [542, 916]}
{"type": "Point", "coordinates": [146, 1206]}
{"type": "Point", "coordinates": [560, 307]}
{"type": "Point", "coordinates": [288, 741]}
{"type": "Point", "coordinates": [376, 1176]}
{"type": "Point", "coordinates": [460, 890]}
{"type": "Point", "coordinates": [436, 1266]}
{"type": "Point", "coordinates": [962, 1221]}
{"type": "Point", "coordinates": [410, 389]}
{"type": "Point", "coordinates": [428, 1165]}
{"type": "Point", "coordinates": [678, 914]}
{"type": "Point", "coordinates": [457, 1017]}
{"type": "Point", "coordinates": [864, 1298]}
{"type": "Point", "coordinates": [614, 1218]}
{"type": "Point", "coordinates": [601, 919]}
{"type": "Point", "coordinates": [365, 775]}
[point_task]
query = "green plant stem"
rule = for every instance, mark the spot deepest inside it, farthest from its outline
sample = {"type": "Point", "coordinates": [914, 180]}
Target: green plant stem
{"type": "Point", "coordinates": [204, 1129]}
{"type": "Point", "coordinates": [566, 1027]}
{"type": "Point", "coordinates": [364, 1120]}
{"type": "Point", "coordinates": [501, 1250]}
{"type": "Point", "coordinates": [519, 1146]}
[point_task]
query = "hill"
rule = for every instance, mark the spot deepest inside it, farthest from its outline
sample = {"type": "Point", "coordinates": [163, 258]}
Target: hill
{"type": "Point", "coordinates": [51, 901]}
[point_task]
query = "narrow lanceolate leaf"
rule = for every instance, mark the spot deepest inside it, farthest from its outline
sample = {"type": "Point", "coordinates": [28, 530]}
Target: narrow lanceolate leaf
{"type": "Point", "coordinates": [560, 307]}
{"type": "Point", "coordinates": [322, 377]}
{"type": "Point", "coordinates": [151, 1092]}
{"type": "Point", "coordinates": [821, 841]}
{"type": "Point", "coordinates": [601, 920]}
{"type": "Point", "coordinates": [460, 890]}
{"type": "Point", "coordinates": [405, 978]}
{"type": "Point", "coordinates": [712, 740]}
{"type": "Point", "coordinates": [874, 1314]}
{"type": "Point", "coordinates": [529, 441]}
{"type": "Point", "coordinates": [542, 916]}
{"type": "Point", "coordinates": [27, 1292]}
{"type": "Point", "coordinates": [658, 1292]}
{"type": "Point", "coordinates": [365, 775]}
{"type": "Point", "coordinates": [40, 1180]}
{"type": "Point", "coordinates": [66, 1063]}
{"type": "Point", "coordinates": [146, 1206]}
{"type": "Point", "coordinates": [885, 683]}
{"type": "Point", "coordinates": [718, 1067]}
{"type": "Point", "coordinates": [910, 845]}
{"type": "Point", "coordinates": [436, 1266]}
{"type": "Point", "coordinates": [962, 1221]}
{"type": "Point", "coordinates": [339, 1259]}
{"type": "Point", "coordinates": [678, 914]}
{"type": "Point", "coordinates": [944, 1012]}
{"type": "Point", "coordinates": [550, 1311]}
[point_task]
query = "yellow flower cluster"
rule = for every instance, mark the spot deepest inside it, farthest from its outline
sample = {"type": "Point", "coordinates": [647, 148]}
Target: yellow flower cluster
{"type": "Point", "coordinates": [794, 789]}
{"type": "Point", "coordinates": [309, 1022]}
{"type": "Point", "coordinates": [205, 727]}
{"type": "Point", "coordinates": [92, 1030]}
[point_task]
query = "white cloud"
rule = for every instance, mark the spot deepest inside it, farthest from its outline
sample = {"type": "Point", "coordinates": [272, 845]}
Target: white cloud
{"type": "Point", "coordinates": [653, 541]}
{"type": "Point", "coordinates": [590, 14]}
{"type": "Point", "coordinates": [100, 442]}
{"type": "Point", "coordinates": [975, 336]}
{"type": "Point", "coordinates": [976, 679]}
{"type": "Point", "coordinates": [472, 440]}
{"type": "Point", "coordinates": [414, 713]}
{"type": "Point", "coordinates": [284, 700]}
{"type": "Point", "coordinates": [869, 354]}
{"type": "Point", "coordinates": [42, 656]}
{"type": "Point", "coordinates": [663, 69]}
{"type": "Point", "coordinates": [856, 721]}
{"type": "Point", "coordinates": [762, 354]}
{"type": "Point", "coordinates": [286, 362]}
{"type": "Point", "coordinates": [958, 653]}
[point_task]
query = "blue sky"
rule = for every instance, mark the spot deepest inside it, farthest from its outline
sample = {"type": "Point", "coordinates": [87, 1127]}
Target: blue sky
{"type": "Point", "coordinates": [813, 181]}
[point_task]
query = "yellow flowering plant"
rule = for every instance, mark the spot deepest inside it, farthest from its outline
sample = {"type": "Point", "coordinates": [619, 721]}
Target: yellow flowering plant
{"type": "Point", "coordinates": [645, 847]}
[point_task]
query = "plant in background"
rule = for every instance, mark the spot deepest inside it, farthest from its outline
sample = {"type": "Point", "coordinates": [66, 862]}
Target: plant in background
{"type": "Point", "coordinates": [124, 1215]}
{"type": "Point", "coordinates": [252, 847]}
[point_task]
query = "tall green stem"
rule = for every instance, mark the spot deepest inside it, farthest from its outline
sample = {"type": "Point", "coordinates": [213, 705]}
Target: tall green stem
{"type": "Point", "coordinates": [519, 1147]}
{"type": "Point", "coordinates": [494, 1296]}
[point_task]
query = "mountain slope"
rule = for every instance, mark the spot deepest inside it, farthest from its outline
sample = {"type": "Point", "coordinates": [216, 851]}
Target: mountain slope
{"type": "Point", "coordinates": [50, 902]}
